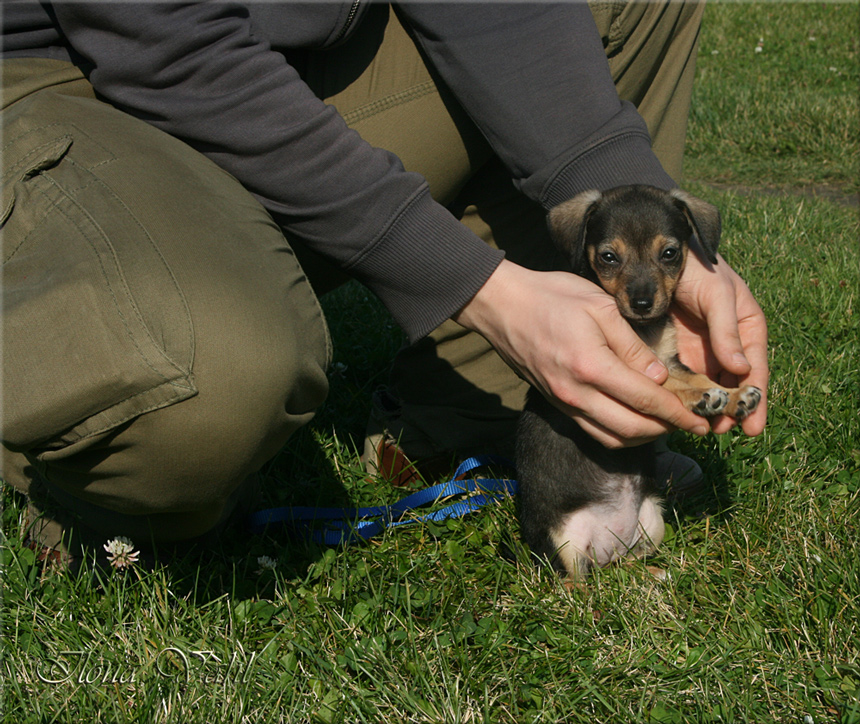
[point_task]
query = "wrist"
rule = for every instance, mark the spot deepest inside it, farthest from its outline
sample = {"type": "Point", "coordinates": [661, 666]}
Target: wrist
{"type": "Point", "coordinates": [482, 311]}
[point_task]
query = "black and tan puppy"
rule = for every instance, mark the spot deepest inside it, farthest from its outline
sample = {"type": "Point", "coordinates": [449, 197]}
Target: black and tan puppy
{"type": "Point", "coordinates": [583, 505]}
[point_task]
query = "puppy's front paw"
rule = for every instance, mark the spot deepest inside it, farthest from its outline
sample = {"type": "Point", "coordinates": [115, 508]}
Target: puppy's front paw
{"type": "Point", "coordinates": [711, 403]}
{"type": "Point", "coordinates": [743, 402]}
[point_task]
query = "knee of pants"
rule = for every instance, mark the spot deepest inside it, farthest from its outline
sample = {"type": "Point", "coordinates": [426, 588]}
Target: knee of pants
{"type": "Point", "coordinates": [175, 472]}
{"type": "Point", "coordinates": [185, 460]}
{"type": "Point", "coordinates": [161, 340]}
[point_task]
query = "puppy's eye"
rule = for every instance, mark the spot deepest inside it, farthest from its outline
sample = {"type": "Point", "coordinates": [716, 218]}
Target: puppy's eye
{"type": "Point", "coordinates": [607, 257]}
{"type": "Point", "coordinates": [669, 254]}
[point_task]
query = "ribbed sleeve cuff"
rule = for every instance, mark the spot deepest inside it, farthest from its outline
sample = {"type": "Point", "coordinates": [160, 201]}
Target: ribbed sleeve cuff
{"type": "Point", "coordinates": [608, 159]}
{"type": "Point", "coordinates": [426, 266]}
{"type": "Point", "coordinates": [618, 162]}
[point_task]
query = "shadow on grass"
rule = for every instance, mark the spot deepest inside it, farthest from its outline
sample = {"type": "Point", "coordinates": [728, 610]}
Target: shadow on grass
{"type": "Point", "coordinates": [714, 499]}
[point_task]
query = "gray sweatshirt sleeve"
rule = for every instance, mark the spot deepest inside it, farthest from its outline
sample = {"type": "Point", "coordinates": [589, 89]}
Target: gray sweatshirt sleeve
{"type": "Point", "coordinates": [533, 78]}
{"type": "Point", "coordinates": [199, 73]}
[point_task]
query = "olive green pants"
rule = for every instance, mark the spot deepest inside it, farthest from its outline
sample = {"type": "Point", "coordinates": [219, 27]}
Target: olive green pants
{"type": "Point", "coordinates": [161, 338]}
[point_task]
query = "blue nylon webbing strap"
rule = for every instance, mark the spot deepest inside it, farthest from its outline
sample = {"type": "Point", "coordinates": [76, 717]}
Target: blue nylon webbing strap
{"type": "Point", "coordinates": [349, 525]}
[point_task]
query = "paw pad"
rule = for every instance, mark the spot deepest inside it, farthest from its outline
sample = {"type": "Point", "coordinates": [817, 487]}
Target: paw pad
{"type": "Point", "coordinates": [713, 402]}
{"type": "Point", "coordinates": [747, 401]}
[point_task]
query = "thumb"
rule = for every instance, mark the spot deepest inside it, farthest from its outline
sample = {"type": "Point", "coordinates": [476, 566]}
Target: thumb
{"type": "Point", "coordinates": [630, 349]}
{"type": "Point", "coordinates": [725, 338]}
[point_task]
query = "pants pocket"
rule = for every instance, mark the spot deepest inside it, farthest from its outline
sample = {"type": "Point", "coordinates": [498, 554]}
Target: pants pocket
{"type": "Point", "coordinates": [82, 352]}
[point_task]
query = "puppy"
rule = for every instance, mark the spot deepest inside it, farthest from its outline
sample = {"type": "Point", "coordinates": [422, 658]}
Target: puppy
{"type": "Point", "coordinates": [581, 504]}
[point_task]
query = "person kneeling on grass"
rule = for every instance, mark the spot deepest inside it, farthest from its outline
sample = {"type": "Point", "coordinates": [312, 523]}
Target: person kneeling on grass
{"type": "Point", "coordinates": [182, 181]}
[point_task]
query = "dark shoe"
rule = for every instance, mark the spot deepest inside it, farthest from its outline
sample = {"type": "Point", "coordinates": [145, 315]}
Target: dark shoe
{"type": "Point", "coordinates": [44, 536]}
{"type": "Point", "coordinates": [677, 475]}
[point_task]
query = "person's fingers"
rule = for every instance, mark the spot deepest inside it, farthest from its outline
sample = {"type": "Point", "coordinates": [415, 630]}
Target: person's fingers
{"type": "Point", "coordinates": [752, 332]}
{"type": "Point", "coordinates": [618, 379]}
{"type": "Point", "coordinates": [615, 425]}
{"type": "Point", "coordinates": [629, 348]}
{"type": "Point", "coordinates": [620, 406]}
{"type": "Point", "coordinates": [626, 428]}
{"type": "Point", "coordinates": [722, 331]}
{"type": "Point", "coordinates": [712, 295]}
{"type": "Point", "coordinates": [725, 338]}
{"type": "Point", "coordinates": [755, 334]}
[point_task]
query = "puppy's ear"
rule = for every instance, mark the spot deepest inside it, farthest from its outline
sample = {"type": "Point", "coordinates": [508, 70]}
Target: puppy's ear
{"type": "Point", "coordinates": [704, 218]}
{"type": "Point", "coordinates": [567, 223]}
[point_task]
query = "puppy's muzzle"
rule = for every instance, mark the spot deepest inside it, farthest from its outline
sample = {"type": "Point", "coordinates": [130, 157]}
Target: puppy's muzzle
{"type": "Point", "coordinates": [640, 298]}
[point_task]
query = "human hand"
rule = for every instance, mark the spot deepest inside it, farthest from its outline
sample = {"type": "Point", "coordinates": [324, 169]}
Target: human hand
{"type": "Point", "coordinates": [566, 337]}
{"type": "Point", "coordinates": [722, 332]}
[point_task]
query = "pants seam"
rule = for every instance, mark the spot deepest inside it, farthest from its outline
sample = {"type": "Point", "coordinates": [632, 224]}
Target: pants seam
{"type": "Point", "coordinates": [182, 392]}
{"type": "Point", "coordinates": [113, 294]}
{"type": "Point", "coordinates": [383, 104]}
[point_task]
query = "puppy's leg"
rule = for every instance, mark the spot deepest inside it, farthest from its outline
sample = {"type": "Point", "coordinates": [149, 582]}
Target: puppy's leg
{"type": "Point", "coordinates": [573, 544]}
{"type": "Point", "coordinates": [742, 402]}
{"type": "Point", "coordinates": [598, 535]}
{"type": "Point", "coordinates": [698, 392]}
{"type": "Point", "coordinates": [708, 399]}
{"type": "Point", "coordinates": [651, 527]}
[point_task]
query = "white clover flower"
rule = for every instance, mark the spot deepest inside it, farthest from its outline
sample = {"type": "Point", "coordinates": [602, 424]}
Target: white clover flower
{"type": "Point", "coordinates": [266, 563]}
{"type": "Point", "coordinates": [121, 552]}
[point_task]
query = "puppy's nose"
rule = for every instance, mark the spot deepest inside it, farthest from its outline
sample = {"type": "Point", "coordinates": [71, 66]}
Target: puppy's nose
{"type": "Point", "coordinates": [641, 304]}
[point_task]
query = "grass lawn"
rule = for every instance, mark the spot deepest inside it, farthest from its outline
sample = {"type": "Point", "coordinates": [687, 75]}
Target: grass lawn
{"type": "Point", "coordinates": [760, 620]}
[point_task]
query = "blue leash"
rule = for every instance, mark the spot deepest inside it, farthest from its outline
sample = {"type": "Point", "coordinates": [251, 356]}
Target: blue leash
{"type": "Point", "coordinates": [349, 525]}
